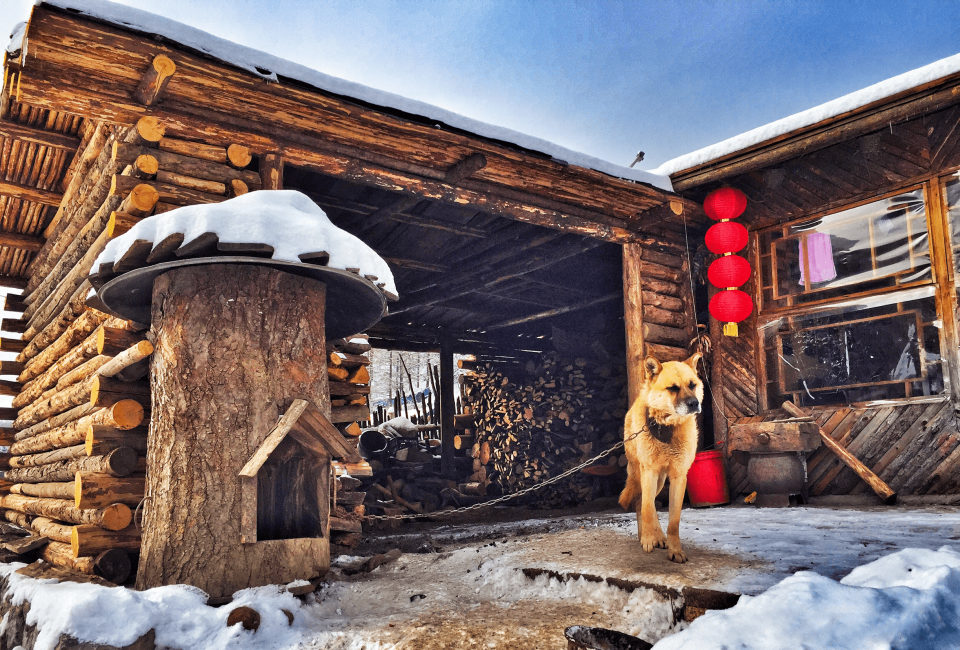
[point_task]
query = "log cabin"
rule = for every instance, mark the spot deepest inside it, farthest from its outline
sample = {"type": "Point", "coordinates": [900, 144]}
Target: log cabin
{"type": "Point", "coordinates": [110, 115]}
{"type": "Point", "coordinates": [854, 227]}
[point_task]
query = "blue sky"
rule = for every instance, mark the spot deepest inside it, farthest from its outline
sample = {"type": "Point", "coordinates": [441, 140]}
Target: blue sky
{"type": "Point", "coordinates": [605, 78]}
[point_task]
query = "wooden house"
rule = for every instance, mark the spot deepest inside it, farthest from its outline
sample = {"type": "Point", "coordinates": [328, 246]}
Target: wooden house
{"type": "Point", "coordinates": [109, 115]}
{"type": "Point", "coordinates": [854, 228]}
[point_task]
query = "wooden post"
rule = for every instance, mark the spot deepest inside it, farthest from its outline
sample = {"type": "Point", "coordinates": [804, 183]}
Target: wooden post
{"type": "Point", "coordinates": [633, 319]}
{"type": "Point", "coordinates": [271, 171]}
{"type": "Point", "coordinates": [447, 407]}
{"type": "Point", "coordinates": [217, 393]}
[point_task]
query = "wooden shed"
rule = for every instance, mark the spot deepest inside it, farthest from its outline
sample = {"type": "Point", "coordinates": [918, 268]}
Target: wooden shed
{"type": "Point", "coordinates": [854, 227]}
{"type": "Point", "coordinates": [109, 116]}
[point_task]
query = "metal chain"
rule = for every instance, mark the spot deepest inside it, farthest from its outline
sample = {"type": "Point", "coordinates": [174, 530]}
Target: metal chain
{"type": "Point", "coordinates": [507, 497]}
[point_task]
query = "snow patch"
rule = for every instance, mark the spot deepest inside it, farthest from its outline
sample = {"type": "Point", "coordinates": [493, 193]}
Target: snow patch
{"type": "Point", "coordinates": [16, 38]}
{"type": "Point", "coordinates": [272, 68]}
{"type": "Point", "coordinates": [876, 92]}
{"type": "Point", "coordinates": [910, 599]}
{"type": "Point", "coordinates": [285, 219]}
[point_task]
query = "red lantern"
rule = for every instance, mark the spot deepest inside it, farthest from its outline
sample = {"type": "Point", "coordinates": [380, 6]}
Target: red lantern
{"type": "Point", "coordinates": [725, 203]}
{"type": "Point", "coordinates": [728, 271]}
{"type": "Point", "coordinates": [730, 306]}
{"type": "Point", "coordinates": [726, 237]}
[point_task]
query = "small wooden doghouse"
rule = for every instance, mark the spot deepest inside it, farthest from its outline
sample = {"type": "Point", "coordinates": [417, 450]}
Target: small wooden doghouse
{"type": "Point", "coordinates": [285, 486]}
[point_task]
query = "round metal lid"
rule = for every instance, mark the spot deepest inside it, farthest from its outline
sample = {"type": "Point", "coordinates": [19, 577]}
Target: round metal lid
{"type": "Point", "coordinates": [354, 304]}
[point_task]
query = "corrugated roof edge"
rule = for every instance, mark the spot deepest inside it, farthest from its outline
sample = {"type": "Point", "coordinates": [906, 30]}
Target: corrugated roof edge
{"type": "Point", "coordinates": [812, 116]}
{"type": "Point", "coordinates": [273, 68]}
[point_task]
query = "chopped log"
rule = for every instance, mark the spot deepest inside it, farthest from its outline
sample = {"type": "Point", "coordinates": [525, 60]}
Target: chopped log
{"type": "Point", "coordinates": [74, 347]}
{"type": "Point", "coordinates": [134, 354]}
{"type": "Point", "coordinates": [154, 80]}
{"type": "Point", "coordinates": [100, 490]}
{"type": "Point", "coordinates": [98, 435]}
{"type": "Point", "coordinates": [84, 370]}
{"type": "Point", "coordinates": [57, 402]}
{"type": "Point", "coordinates": [883, 490]}
{"type": "Point", "coordinates": [343, 388]}
{"type": "Point", "coordinates": [46, 490]}
{"type": "Point", "coordinates": [52, 530]}
{"type": "Point", "coordinates": [347, 360]}
{"type": "Point", "coordinates": [168, 193]}
{"type": "Point", "coordinates": [119, 462]}
{"type": "Point", "coordinates": [86, 540]}
{"type": "Point", "coordinates": [56, 421]}
{"type": "Point", "coordinates": [138, 201]}
{"type": "Point", "coordinates": [464, 421]}
{"type": "Point", "coordinates": [121, 223]}
{"type": "Point", "coordinates": [195, 150]}
{"type": "Point", "coordinates": [463, 442]}
{"type": "Point", "coordinates": [113, 565]}
{"type": "Point", "coordinates": [189, 182]}
{"type": "Point", "coordinates": [111, 341]}
{"type": "Point", "coordinates": [149, 132]}
{"type": "Point", "coordinates": [126, 414]}
{"type": "Point", "coordinates": [113, 517]}
{"type": "Point", "coordinates": [106, 391]}
{"type": "Point", "coordinates": [666, 352]}
{"type": "Point", "coordinates": [42, 338]}
{"type": "Point", "coordinates": [237, 187]}
{"type": "Point", "coordinates": [350, 414]}
{"type": "Point", "coordinates": [359, 376]}
{"type": "Point", "coordinates": [653, 333]}
{"type": "Point", "coordinates": [187, 166]}
{"type": "Point", "coordinates": [238, 156]}
{"type": "Point", "coordinates": [337, 374]}
{"type": "Point", "coordinates": [47, 457]}
{"type": "Point", "coordinates": [353, 429]}
{"type": "Point", "coordinates": [145, 167]}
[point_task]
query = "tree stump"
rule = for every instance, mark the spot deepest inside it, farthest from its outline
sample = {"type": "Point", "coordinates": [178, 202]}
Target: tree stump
{"type": "Point", "coordinates": [235, 345]}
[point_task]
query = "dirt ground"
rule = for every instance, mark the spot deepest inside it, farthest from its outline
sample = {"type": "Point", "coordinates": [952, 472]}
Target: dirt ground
{"type": "Point", "coordinates": [461, 585]}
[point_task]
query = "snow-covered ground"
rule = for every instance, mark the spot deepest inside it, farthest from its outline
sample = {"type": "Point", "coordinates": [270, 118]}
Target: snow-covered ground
{"type": "Point", "coordinates": [472, 593]}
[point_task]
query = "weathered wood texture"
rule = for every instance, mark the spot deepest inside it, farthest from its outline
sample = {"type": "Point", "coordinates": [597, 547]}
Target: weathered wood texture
{"type": "Point", "coordinates": [913, 447]}
{"type": "Point", "coordinates": [218, 392]}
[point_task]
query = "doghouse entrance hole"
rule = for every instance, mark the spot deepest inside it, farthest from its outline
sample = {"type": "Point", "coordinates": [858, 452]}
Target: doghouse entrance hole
{"type": "Point", "coordinates": [288, 488]}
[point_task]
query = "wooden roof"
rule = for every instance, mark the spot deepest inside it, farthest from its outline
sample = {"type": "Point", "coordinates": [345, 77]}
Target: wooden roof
{"type": "Point", "coordinates": [482, 235]}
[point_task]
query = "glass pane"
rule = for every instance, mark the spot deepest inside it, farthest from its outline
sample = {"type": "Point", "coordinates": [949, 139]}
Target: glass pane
{"type": "Point", "coordinates": [881, 244]}
{"type": "Point", "coordinates": [876, 348]}
{"type": "Point", "coordinates": [951, 192]}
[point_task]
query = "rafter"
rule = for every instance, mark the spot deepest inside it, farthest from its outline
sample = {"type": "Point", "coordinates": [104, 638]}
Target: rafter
{"type": "Point", "coordinates": [15, 131]}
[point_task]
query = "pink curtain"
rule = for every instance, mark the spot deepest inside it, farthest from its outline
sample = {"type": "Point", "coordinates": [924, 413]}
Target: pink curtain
{"type": "Point", "coordinates": [821, 258]}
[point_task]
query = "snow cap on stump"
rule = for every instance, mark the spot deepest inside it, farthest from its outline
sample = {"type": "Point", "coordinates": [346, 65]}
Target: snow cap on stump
{"type": "Point", "coordinates": [285, 219]}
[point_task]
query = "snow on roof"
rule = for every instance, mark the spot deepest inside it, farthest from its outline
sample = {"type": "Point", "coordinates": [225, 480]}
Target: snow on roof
{"type": "Point", "coordinates": [285, 219]}
{"type": "Point", "coordinates": [16, 37]}
{"type": "Point", "coordinates": [271, 68]}
{"type": "Point", "coordinates": [876, 92]}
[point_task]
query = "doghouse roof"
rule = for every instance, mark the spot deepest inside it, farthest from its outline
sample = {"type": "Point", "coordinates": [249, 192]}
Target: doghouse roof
{"type": "Point", "coordinates": [307, 425]}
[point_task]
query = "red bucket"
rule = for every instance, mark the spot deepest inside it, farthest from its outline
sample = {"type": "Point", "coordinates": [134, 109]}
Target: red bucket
{"type": "Point", "coordinates": [706, 480]}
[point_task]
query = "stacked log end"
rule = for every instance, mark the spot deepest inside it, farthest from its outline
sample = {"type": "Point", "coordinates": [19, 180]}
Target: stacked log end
{"type": "Point", "coordinates": [527, 424]}
{"type": "Point", "coordinates": [74, 471]}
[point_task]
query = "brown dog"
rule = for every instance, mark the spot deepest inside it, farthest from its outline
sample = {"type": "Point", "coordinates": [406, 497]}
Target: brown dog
{"type": "Point", "coordinates": [664, 414]}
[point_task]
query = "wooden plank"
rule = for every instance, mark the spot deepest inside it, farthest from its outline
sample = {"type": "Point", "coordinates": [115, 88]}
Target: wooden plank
{"type": "Point", "coordinates": [28, 193]}
{"type": "Point", "coordinates": [273, 439]}
{"type": "Point", "coordinates": [774, 436]}
{"type": "Point", "coordinates": [33, 135]}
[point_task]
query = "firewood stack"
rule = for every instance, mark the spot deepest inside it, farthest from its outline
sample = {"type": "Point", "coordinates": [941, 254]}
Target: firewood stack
{"type": "Point", "coordinates": [530, 423]}
{"type": "Point", "coordinates": [75, 471]}
{"type": "Point", "coordinates": [349, 379]}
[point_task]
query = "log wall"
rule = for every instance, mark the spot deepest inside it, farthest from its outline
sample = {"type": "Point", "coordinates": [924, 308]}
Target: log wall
{"type": "Point", "coordinates": [76, 462]}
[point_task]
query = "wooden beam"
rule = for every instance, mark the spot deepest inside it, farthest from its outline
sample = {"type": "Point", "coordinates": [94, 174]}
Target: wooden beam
{"type": "Point", "coordinates": [32, 194]}
{"type": "Point", "coordinates": [154, 80]}
{"type": "Point", "coordinates": [464, 168]}
{"type": "Point", "coordinates": [271, 171]}
{"type": "Point", "coordinates": [447, 406]}
{"type": "Point", "coordinates": [404, 263]}
{"type": "Point", "coordinates": [14, 131]}
{"type": "Point", "coordinates": [23, 242]}
{"type": "Point", "coordinates": [552, 312]}
{"type": "Point", "coordinates": [13, 283]}
{"type": "Point", "coordinates": [633, 319]}
{"type": "Point", "coordinates": [466, 282]}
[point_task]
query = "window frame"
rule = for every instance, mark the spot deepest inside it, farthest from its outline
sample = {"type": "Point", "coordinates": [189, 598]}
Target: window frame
{"type": "Point", "coordinates": [941, 278]}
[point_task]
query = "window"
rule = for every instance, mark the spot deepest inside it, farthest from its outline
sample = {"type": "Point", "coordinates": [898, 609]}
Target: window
{"type": "Point", "coordinates": [848, 308]}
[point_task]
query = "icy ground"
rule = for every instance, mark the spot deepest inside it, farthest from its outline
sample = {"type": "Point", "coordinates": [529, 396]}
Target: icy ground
{"type": "Point", "coordinates": [459, 586]}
